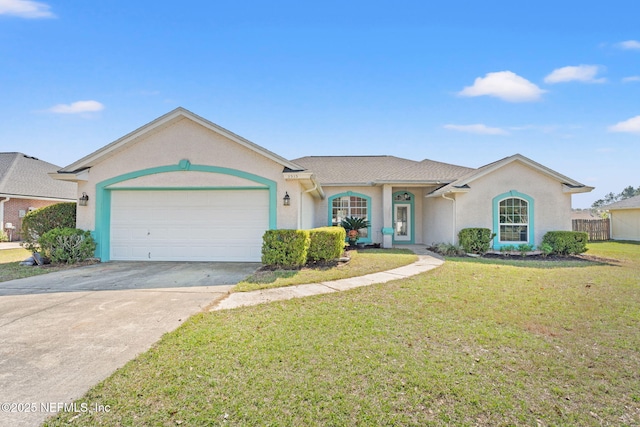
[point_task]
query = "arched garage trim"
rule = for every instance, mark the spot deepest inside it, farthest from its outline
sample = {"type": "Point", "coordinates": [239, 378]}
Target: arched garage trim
{"type": "Point", "coordinates": [102, 231]}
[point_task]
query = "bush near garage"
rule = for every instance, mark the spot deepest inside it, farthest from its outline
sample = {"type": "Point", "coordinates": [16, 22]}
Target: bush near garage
{"type": "Point", "coordinates": [475, 240]}
{"type": "Point", "coordinates": [326, 244]}
{"type": "Point", "coordinates": [67, 245]}
{"type": "Point", "coordinates": [285, 249]}
{"type": "Point", "coordinates": [39, 221]}
{"type": "Point", "coordinates": [566, 242]}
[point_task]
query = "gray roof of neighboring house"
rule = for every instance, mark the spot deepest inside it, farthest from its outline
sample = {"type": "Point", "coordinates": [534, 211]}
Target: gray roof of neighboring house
{"type": "Point", "coordinates": [630, 203]}
{"type": "Point", "coordinates": [363, 170]}
{"type": "Point", "coordinates": [26, 176]}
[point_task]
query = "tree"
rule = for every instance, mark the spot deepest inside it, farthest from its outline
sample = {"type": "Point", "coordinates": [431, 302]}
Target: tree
{"type": "Point", "coordinates": [612, 198]}
{"type": "Point", "coordinates": [629, 192]}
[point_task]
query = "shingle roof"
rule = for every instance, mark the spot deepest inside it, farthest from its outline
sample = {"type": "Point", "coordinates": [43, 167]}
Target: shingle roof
{"type": "Point", "coordinates": [428, 171]}
{"type": "Point", "coordinates": [369, 169]}
{"type": "Point", "coordinates": [463, 181]}
{"type": "Point", "coordinates": [630, 203]}
{"type": "Point", "coordinates": [25, 176]}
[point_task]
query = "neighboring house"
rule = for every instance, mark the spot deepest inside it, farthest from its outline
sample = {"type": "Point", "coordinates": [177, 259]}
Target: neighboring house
{"type": "Point", "coordinates": [183, 188]}
{"type": "Point", "coordinates": [586, 214]}
{"type": "Point", "coordinates": [24, 186]}
{"type": "Point", "coordinates": [625, 219]}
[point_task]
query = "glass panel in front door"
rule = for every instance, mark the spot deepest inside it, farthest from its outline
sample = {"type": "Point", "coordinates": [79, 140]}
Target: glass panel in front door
{"type": "Point", "coordinates": [402, 231]}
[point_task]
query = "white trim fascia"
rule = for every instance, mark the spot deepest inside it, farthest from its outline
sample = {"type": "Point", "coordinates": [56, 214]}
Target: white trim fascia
{"type": "Point", "coordinates": [571, 189]}
{"type": "Point", "coordinates": [167, 119]}
{"type": "Point", "coordinates": [349, 184]}
{"type": "Point", "coordinates": [452, 191]}
{"type": "Point", "coordinates": [307, 178]}
{"type": "Point", "coordinates": [416, 183]}
{"type": "Point", "coordinates": [623, 209]}
{"type": "Point", "coordinates": [26, 197]}
{"type": "Point", "coordinates": [71, 176]}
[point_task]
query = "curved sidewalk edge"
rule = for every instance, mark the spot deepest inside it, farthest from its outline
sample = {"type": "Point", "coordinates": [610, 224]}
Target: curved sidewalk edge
{"type": "Point", "coordinates": [239, 299]}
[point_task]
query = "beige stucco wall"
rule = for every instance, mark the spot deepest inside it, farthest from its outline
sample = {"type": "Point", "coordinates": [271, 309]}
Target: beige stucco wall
{"type": "Point", "coordinates": [185, 139]}
{"type": "Point", "coordinates": [321, 211]}
{"type": "Point", "coordinates": [625, 224]}
{"type": "Point", "coordinates": [307, 211]}
{"type": "Point", "coordinates": [437, 221]}
{"type": "Point", "coordinates": [552, 207]}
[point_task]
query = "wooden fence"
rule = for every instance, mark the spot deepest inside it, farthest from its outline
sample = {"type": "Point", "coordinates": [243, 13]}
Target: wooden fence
{"type": "Point", "coordinates": [597, 229]}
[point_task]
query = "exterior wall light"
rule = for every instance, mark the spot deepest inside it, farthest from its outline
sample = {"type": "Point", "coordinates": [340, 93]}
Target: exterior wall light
{"type": "Point", "coordinates": [82, 201]}
{"type": "Point", "coordinates": [286, 200]}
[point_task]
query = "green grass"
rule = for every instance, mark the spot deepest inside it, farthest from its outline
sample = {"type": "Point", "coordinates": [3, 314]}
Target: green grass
{"type": "Point", "coordinates": [9, 268]}
{"type": "Point", "coordinates": [13, 255]}
{"type": "Point", "coordinates": [364, 262]}
{"type": "Point", "coordinates": [465, 344]}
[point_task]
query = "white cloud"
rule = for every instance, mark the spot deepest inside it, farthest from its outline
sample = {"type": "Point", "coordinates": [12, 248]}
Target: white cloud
{"type": "Point", "coordinates": [580, 73]}
{"type": "Point", "coordinates": [629, 45]}
{"type": "Point", "coordinates": [631, 126]}
{"type": "Point", "coordinates": [25, 9]}
{"type": "Point", "coordinates": [77, 107]}
{"type": "Point", "coordinates": [477, 129]}
{"type": "Point", "coordinates": [505, 85]}
{"type": "Point", "coordinates": [631, 79]}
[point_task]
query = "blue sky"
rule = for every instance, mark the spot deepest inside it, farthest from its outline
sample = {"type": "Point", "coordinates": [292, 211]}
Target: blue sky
{"type": "Point", "coordinates": [462, 82]}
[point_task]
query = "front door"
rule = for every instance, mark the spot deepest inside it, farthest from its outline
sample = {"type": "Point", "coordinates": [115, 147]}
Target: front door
{"type": "Point", "coordinates": [402, 222]}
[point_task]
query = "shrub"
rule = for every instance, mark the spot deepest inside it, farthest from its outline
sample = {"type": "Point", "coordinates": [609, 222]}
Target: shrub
{"type": "Point", "coordinates": [3, 236]}
{"type": "Point", "coordinates": [546, 249]}
{"type": "Point", "coordinates": [447, 249]}
{"type": "Point", "coordinates": [507, 249]}
{"type": "Point", "coordinates": [67, 245]}
{"type": "Point", "coordinates": [326, 243]}
{"type": "Point", "coordinates": [285, 248]}
{"type": "Point", "coordinates": [524, 248]}
{"type": "Point", "coordinates": [38, 222]}
{"type": "Point", "coordinates": [475, 240]}
{"type": "Point", "coordinates": [566, 242]}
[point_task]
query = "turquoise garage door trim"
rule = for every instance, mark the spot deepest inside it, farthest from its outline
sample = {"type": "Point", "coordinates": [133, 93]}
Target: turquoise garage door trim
{"type": "Point", "coordinates": [240, 196]}
{"type": "Point", "coordinates": [188, 225]}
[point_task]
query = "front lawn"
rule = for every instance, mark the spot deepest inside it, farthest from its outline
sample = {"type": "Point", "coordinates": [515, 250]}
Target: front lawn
{"type": "Point", "coordinates": [362, 262]}
{"type": "Point", "coordinates": [9, 268]}
{"type": "Point", "coordinates": [465, 344]}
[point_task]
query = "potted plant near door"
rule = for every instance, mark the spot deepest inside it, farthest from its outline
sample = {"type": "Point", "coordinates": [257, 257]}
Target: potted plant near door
{"type": "Point", "coordinates": [352, 225]}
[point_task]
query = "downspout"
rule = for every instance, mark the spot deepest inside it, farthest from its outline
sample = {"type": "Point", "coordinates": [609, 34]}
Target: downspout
{"type": "Point", "coordinates": [315, 187]}
{"type": "Point", "coordinates": [453, 231]}
{"type": "Point", "coordinates": [2, 202]}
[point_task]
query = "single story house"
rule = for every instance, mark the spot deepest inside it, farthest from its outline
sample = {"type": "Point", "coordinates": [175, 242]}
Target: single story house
{"type": "Point", "coordinates": [183, 188]}
{"type": "Point", "coordinates": [625, 219]}
{"type": "Point", "coordinates": [25, 185]}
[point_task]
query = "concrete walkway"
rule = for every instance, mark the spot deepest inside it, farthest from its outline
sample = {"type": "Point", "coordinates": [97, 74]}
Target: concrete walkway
{"type": "Point", "coordinates": [9, 245]}
{"type": "Point", "coordinates": [426, 261]}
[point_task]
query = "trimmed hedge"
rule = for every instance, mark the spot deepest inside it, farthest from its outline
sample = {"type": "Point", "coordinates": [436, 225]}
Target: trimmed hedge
{"type": "Point", "coordinates": [67, 245]}
{"type": "Point", "coordinates": [285, 248]}
{"type": "Point", "coordinates": [566, 242]}
{"type": "Point", "coordinates": [327, 243]}
{"type": "Point", "coordinates": [475, 240]}
{"type": "Point", "coordinates": [38, 222]}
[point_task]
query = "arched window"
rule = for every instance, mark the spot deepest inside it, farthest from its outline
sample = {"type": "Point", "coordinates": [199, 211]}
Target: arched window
{"type": "Point", "coordinates": [349, 204]}
{"type": "Point", "coordinates": [513, 220]}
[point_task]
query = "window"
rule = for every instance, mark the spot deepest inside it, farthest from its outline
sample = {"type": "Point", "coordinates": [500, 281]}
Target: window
{"type": "Point", "coordinates": [348, 204]}
{"type": "Point", "coordinates": [514, 220]}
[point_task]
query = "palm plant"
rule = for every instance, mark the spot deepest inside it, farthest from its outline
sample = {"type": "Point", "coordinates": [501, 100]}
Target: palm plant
{"type": "Point", "coordinates": [352, 224]}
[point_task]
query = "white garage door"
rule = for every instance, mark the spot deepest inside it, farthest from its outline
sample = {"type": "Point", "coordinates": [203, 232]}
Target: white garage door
{"type": "Point", "coordinates": [188, 225]}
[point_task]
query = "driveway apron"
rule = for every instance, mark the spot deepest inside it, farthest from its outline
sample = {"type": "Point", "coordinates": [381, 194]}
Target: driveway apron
{"type": "Point", "coordinates": [63, 332]}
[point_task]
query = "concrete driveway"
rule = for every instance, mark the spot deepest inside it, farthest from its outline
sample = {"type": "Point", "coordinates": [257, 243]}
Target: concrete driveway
{"type": "Point", "coordinates": [63, 332]}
